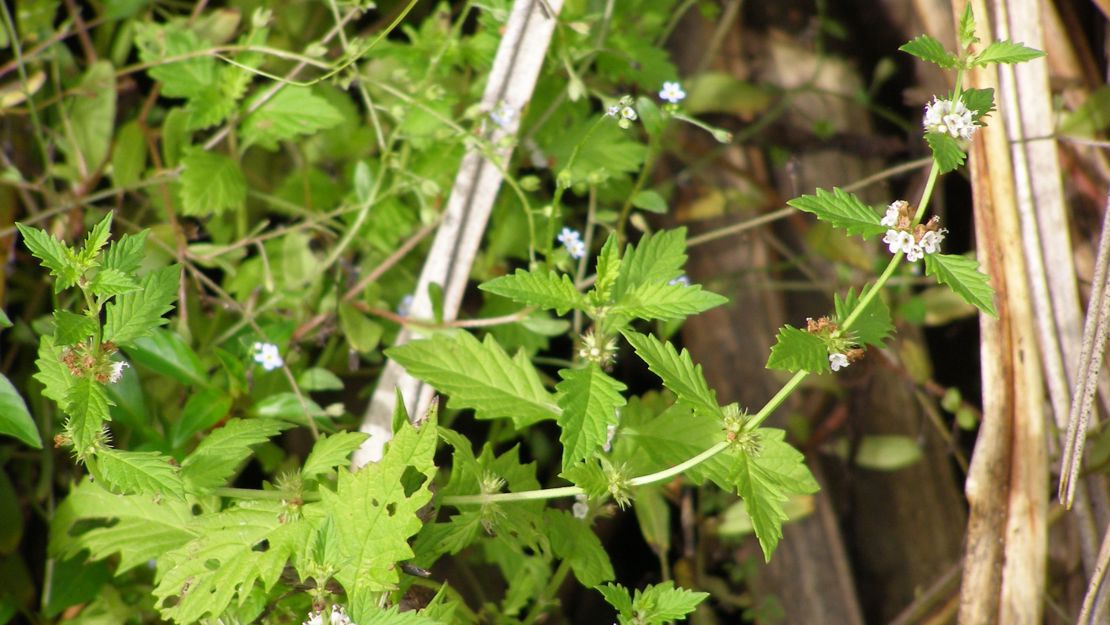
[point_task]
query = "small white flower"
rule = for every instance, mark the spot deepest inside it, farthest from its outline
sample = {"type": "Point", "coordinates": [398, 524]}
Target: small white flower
{"type": "Point", "coordinates": [267, 355]}
{"type": "Point", "coordinates": [672, 92]}
{"type": "Point", "coordinates": [890, 219]}
{"type": "Point", "coordinates": [404, 307]}
{"type": "Point", "coordinates": [898, 240]}
{"type": "Point", "coordinates": [682, 280]}
{"type": "Point", "coordinates": [580, 508]}
{"type": "Point", "coordinates": [914, 253]}
{"type": "Point", "coordinates": [953, 119]}
{"type": "Point", "coordinates": [930, 241]}
{"type": "Point", "coordinates": [576, 249]}
{"type": "Point", "coordinates": [503, 115]}
{"type": "Point", "coordinates": [613, 111]}
{"type": "Point", "coordinates": [116, 374]}
{"type": "Point", "coordinates": [315, 618]}
{"type": "Point", "coordinates": [338, 616]}
{"type": "Point", "coordinates": [838, 361]}
{"type": "Point", "coordinates": [629, 113]}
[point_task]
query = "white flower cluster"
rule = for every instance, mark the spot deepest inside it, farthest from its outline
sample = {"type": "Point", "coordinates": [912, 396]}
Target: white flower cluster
{"type": "Point", "coordinates": [672, 92]}
{"type": "Point", "coordinates": [338, 616]}
{"type": "Point", "coordinates": [951, 118]}
{"type": "Point", "coordinates": [267, 355]}
{"type": "Point", "coordinates": [572, 240]}
{"type": "Point", "coordinates": [915, 243]}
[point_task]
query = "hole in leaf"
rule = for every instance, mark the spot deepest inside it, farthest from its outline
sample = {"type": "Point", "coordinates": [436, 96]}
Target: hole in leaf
{"type": "Point", "coordinates": [411, 480]}
{"type": "Point", "coordinates": [374, 502]}
{"type": "Point", "coordinates": [212, 564]}
{"type": "Point", "coordinates": [391, 509]}
{"type": "Point", "coordinates": [262, 545]}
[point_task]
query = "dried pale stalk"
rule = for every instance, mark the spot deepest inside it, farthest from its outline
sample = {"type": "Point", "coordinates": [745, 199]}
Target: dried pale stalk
{"type": "Point", "coordinates": [1007, 484]}
{"type": "Point", "coordinates": [511, 83]}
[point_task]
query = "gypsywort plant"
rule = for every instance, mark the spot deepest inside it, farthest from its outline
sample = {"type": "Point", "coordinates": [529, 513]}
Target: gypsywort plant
{"type": "Point", "coordinates": [349, 546]}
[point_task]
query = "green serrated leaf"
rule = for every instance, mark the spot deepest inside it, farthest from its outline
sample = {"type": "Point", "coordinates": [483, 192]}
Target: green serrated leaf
{"type": "Point", "coordinates": [962, 275]}
{"type": "Point", "coordinates": [203, 409]}
{"type": "Point", "coordinates": [590, 477]}
{"type": "Point", "coordinates": [138, 473]}
{"type": "Point", "coordinates": [211, 184]}
{"type": "Point", "coordinates": [573, 540]}
{"type": "Point", "coordinates": [589, 399]}
{"type": "Point", "coordinates": [967, 27]}
{"type": "Point", "coordinates": [5, 322]}
{"type": "Point", "coordinates": [182, 78]}
{"type": "Point", "coordinates": [293, 111]}
{"type": "Point", "coordinates": [872, 326]}
{"type": "Point", "coordinates": [217, 457]}
{"type": "Point", "coordinates": [125, 254]}
{"type": "Point", "coordinates": [330, 452]}
{"type": "Point", "coordinates": [95, 240]}
{"type": "Point", "coordinates": [374, 510]}
{"type": "Point", "coordinates": [841, 210]}
{"type": "Point", "coordinates": [52, 373]}
{"type": "Point", "coordinates": [660, 300]}
{"type": "Point", "coordinates": [678, 372]}
{"type": "Point", "coordinates": [15, 420]}
{"type": "Point", "coordinates": [929, 49]}
{"type": "Point", "coordinates": [133, 315]}
{"type": "Point", "coordinates": [542, 288]}
{"type": "Point", "coordinates": [479, 375]}
{"type": "Point", "coordinates": [979, 101]}
{"type": "Point", "coordinates": [798, 350]}
{"type": "Point", "coordinates": [656, 258]}
{"type": "Point", "coordinates": [86, 404]}
{"type": "Point", "coordinates": [946, 152]}
{"type": "Point", "coordinates": [70, 328]}
{"type": "Point", "coordinates": [54, 255]}
{"type": "Point", "coordinates": [764, 480]}
{"type": "Point", "coordinates": [608, 270]}
{"type": "Point", "coordinates": [1005, 51]}
{"type": "Point", "coordinates": [109, 282]}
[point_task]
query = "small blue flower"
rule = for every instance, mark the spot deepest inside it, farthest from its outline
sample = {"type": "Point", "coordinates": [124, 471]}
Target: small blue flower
{"type": "Point", "coordinates": [504, 115]}
{"type": "Point", "coordinates": [404, 307]}
{"type": "Point", "coordinates": [572, 240]}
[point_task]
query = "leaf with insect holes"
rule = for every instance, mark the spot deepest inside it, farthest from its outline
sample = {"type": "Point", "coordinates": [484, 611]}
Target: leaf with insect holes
{"type": "Point", "coordinates": [928, 49]}
{"type": "Point", "coordinates": [589, 399]}
{"type": "Point", "coordinates": [541, 288]}
{"type": "Point", "coordinates": [1005, 51]}
{"type": "Point", "coordinates": [479, 375]}
{"type": "Point", "coordinates": [54, 254]}
{"type": "Point", "coordinates": [374, 510]}
{"type": "Point", "coordinates": [766, 478]}
{"type": "Point", "coordinates": [962, 275]}
{"type": "Point", "coordinates": [841, 209]}
{"type": "Point", "coordinates": [872, 326]}
{"type": "Point", "coordinates": [798, 350]}
{"type": "Point", "coordinates": [946, 152]}
{"type": "Point", "coordinates": [678, 372]}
